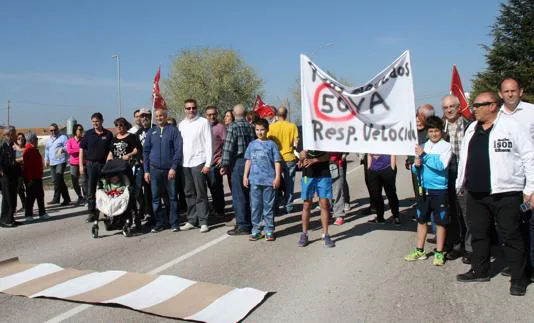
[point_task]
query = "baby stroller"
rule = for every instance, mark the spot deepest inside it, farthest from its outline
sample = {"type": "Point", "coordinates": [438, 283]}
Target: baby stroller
{"type": "Point", "coordinates": [115, 198]}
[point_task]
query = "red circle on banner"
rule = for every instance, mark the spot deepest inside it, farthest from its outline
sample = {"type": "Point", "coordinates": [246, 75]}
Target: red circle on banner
{"type": "Point", "coordinates": [323, 116]}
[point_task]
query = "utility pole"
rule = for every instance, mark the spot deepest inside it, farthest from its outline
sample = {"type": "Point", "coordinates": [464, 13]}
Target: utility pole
{"type": "Point", "coordinates": [117, 57]}
{"type": "Point", "coordinates": [8, 110]}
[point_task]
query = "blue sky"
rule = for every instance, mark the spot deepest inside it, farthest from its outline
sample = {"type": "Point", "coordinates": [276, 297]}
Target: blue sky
{"type": "Point", "coordinates": [55, 56]}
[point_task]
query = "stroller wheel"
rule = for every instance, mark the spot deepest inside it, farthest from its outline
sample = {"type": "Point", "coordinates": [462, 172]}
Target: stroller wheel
{"type": "Point", "coordinates": [94, 231]}
{"type": "Point", "coordinates": [126, 230]}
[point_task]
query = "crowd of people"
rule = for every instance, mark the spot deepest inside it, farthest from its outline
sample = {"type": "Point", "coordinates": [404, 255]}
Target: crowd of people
{"type": "Point", "coordinates": [473, 181]}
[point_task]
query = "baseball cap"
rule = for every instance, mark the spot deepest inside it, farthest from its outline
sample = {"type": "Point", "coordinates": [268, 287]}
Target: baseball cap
{"type": "Point", "coordinates": [144, 111]}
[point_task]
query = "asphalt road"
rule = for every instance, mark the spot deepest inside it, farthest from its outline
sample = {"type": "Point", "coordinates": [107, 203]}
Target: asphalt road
{"type": "Point", "coordinates": [362, 279]}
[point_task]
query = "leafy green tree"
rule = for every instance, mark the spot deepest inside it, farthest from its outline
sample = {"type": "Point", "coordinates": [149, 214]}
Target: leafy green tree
{"type": "Point", "coordinates": [512, 51]}
{"type": "Point", "coordinates": [212, 76]}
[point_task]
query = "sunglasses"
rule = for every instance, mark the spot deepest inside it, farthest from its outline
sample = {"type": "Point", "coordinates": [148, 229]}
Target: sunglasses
{"type": "Point", "coordinates": [482, 104]}
{"type": "Point", "coordinates": [190, 108]}
{"type": "Point", "coordinates": [52, 130]}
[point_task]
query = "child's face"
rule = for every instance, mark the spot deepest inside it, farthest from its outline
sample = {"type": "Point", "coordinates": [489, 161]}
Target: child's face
{"type": "Point", "coordinates": [261, 132]}
{"type": "Point", "coordinates": [115, 179]}
{"type": "Point", "coordinates": [434, 134]}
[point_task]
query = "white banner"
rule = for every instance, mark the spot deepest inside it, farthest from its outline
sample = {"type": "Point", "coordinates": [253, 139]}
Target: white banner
{"type": "Point", "coordinates": [378, 117]}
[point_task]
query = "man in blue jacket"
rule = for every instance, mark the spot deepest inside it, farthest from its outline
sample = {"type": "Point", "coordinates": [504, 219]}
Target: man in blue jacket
{"type": "Point", "coordinates": [162, 154]}
{"type": "Point", "coordinates": [56, 158]}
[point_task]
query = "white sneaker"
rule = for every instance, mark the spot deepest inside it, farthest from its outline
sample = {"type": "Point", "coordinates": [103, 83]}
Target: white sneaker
{"type": "Point", "coordinates": [187, 226]}
{"type": "Point", "coordinates": [346, 207]}
{"type": "Point", "coordinates": [44, 216]}
{"type": "Point", "coordinates": [204, 228]}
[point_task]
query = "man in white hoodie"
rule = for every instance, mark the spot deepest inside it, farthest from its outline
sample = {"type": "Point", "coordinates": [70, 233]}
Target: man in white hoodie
{"type": "Point", "coordinates": [496, 173]}
{"type": "Point", "coordinates": [511, 93]}
{"type": "Point", "coordinates": [197, 152]}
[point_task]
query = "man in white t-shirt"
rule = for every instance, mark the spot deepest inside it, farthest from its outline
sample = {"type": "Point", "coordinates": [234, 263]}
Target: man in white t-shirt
{"type": "Point", "coordinates": [198, 153]}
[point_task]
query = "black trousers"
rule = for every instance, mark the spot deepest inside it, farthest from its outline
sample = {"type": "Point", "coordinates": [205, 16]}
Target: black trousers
{"type": "Point", "coordinates": [9, 199]}
{"type": "Point", "coordinates": [482, 210]}
{"type": "Point", "coordinates": [92, 170]}
{"type": "Point", "coordinates": [34, 191]}
{"type": "Point", "coordinates": [60, 188]}
{"type": "Point", "coordinates": [383, 179]}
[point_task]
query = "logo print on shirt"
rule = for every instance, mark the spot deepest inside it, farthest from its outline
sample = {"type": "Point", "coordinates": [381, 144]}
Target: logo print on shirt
{"type": "Point", "coordinates": [502, 145]}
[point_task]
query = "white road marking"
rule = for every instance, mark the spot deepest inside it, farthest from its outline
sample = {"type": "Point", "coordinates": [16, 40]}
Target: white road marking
{"type": "Point", "coordinates": [78, 309]}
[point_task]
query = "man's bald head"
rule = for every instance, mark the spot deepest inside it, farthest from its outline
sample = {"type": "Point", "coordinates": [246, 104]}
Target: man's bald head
{"type": "Point", "coordinates": [239, 111]}
{"type": "Point", "coordinates": [282, 112]}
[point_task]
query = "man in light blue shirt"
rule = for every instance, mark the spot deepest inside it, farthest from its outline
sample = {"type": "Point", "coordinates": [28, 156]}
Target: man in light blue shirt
{"type": "Point", "coordinates": [56, 158]}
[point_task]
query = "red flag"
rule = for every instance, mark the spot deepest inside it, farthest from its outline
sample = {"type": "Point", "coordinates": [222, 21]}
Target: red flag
{"type": "Point", "coordinates": [159, 101]}
{"type": "Point", "coordinates": [458, 91]}
{"type": "Point", "coordinates": [263, 110]}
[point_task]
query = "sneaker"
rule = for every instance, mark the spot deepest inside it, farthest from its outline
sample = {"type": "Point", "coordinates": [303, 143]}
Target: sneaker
{"type": "Point", "coordinates": [29, 219]}
{"type": "Point", "coordinates": [80, 201]}
{"type": "Point", "coordinates": [44, 216]}
{"type": "Point", "coordinates": [416, 255]}
{"type": "Point", "coordinates": [175, 229]}
{"type": "Point", "coordinates": [204, 228]}
{"type": "Point", "coordinates": [52, 202]}
{"type": "Point", "coordinates": [269, 236]}
{"type": "Point", "coordinates": [396, 220]}
{"type": "Point", "coordinates": [329, 243]}
{"type": "Point", "coordinates": [238, 231]}
{"type": "Point", "coordinates": [472, 276]}
{"type": "Point", "coordinates": [255, 236]}
{"type": "Point", "coordinates": [339, 221]}
{"type": "Point", "coordinates": [347, 207]}
{"type": "Point", "coordinates": [156, 229]}
{"type": "Point", "coordinates": [439, 259]}
{"type": "Point", "coordinates": [303, 241]}
{"type": "Point", "coordinates": [187, 226]}
{"type": "Point", "coordinates": [506, 272]}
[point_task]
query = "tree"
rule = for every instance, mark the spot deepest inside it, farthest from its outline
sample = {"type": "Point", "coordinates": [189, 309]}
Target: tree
{"type": "Point", "coordinates": [512, 52]}
{"type": "Point", "coordinates": [212, 76]}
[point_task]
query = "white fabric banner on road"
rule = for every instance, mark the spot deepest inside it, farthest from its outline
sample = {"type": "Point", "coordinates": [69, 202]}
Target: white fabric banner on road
{"type": "Point", "coordinates": [378, 117]}
{"type": "Point", "coordinates": [162, 295]}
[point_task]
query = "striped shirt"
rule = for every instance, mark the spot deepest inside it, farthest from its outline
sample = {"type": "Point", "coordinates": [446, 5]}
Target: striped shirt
{"type": "Point", "coordinates": [240, 133]}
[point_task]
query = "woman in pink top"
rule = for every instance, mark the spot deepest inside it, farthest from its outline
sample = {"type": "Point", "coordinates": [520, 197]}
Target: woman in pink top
{"type": "Point", "coordinates": [73, 149]}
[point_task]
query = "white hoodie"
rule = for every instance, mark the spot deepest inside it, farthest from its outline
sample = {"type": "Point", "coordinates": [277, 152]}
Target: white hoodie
{"type": "Point", "coordinates": [511, 156]}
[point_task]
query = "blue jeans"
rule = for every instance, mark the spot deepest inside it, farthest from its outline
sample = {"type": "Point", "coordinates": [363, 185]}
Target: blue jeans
{"type": "Point", "coordinates": [159, 180]}
{"type": "Point", "coordinates": [261, 204]}
{"type": "Point", "coordinates": [240, 196]}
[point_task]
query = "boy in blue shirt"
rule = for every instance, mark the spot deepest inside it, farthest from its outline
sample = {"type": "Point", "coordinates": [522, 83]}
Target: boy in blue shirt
{"type": "Point", "coordinates": [262, 176]}
{"type": "Point", "coordinates": [431, 166]}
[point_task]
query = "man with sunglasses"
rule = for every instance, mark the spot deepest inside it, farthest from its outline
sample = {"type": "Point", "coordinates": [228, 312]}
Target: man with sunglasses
{"type": "Point", "coordinates": [94, 149]}
{"type": "Point", "coordinates": [496, 173]}
{"type": "Point", "coordinates": [162, 153]}
{"type": "Point", "coordinates": [56, 157]}
{"type": "Point", "coordinates": [142, 188]}
{"type": "Point", "coordinates": [198, 153]}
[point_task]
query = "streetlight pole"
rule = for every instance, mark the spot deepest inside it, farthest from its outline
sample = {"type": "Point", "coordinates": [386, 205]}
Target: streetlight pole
{"type": "Point", "coordinates": [117, 57]}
